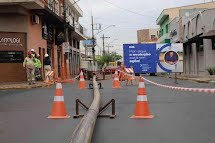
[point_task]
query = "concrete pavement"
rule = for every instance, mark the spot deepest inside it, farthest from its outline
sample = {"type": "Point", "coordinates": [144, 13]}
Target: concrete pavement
{"type": "Point", "coordinates": [179, 116]}
{"type": "Point", "coordinates": [23, 115]}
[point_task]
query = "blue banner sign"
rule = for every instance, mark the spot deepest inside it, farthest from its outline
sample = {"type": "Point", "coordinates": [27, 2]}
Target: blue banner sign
{"type": "Point", "coordinates": [89, 43]}
{"type": "Point", "coordinates": [153, 58]}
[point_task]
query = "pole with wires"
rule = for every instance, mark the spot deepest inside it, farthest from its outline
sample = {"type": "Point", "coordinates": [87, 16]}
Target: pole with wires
{"type": "Point", "coordinates": [103, 38]}
{"type": "Point", "coordinates": [93, 48]}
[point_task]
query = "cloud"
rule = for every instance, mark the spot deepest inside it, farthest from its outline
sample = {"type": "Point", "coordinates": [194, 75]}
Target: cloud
{"type": "Point", "coordinates": [127, 23]}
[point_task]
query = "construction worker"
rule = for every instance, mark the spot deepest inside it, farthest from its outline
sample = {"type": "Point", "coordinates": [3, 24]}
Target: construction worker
{"type": "Point", "coordinates": [122, 70]}
{"type": "Point", "coordinates": [33, 53]}
{"type": "Point", "coordinates": [47, 64]}
{"type": "Point", "coordinates": [38, 66]}
{"type": "Point", "coordinates": [28, 64]}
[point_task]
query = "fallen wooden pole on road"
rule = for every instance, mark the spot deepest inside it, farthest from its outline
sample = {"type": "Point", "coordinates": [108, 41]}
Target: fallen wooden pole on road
{"type": "Point", "coordinates": [84, 130]}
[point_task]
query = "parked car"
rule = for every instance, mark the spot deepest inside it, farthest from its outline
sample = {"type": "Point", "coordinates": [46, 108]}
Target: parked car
{"type": "Point", "coordinates": [111, 68]}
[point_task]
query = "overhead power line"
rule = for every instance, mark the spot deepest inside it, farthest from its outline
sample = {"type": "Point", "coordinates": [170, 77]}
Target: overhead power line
{"type": "Point", "coordinates": [128, 9]}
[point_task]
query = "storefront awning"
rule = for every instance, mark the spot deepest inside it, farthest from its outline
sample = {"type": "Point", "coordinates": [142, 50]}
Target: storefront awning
{"type": "Point", "coordinates": [209, 34]}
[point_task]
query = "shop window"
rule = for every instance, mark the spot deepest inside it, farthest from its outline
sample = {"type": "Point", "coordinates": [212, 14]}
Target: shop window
{"type": "Point", "coordinates": [213, 43]}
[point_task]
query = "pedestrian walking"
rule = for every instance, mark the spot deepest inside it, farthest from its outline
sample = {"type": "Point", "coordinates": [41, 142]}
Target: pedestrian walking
{"type": "Point", "coordinates": [47, 64]}
{"type": "Point", "coordinates": [38, 66]}
{"type": "Point", "coordinates": [28, 64]}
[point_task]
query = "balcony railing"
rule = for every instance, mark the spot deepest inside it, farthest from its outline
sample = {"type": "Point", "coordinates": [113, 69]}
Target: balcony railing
{"type": "Point", "coordinates": [79, 28]}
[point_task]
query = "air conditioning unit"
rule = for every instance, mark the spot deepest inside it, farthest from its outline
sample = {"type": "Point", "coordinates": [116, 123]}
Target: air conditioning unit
{"type": "Point", "coordinates": [35, 19]}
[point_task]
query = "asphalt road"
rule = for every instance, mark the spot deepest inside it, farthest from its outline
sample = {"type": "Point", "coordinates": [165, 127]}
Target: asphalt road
{"type": "Point", "coordinates": [180, 117]}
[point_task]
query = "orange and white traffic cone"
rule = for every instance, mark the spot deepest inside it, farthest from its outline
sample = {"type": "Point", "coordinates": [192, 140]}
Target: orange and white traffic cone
{"type": "Point", "coordinates": [58, 108]}
{"type": "Point", "coordinates": [142, 108]}
{"type": "Point", "coordinates": [82, 83]}
{"type": "Point", "coordinates": [116, 82]}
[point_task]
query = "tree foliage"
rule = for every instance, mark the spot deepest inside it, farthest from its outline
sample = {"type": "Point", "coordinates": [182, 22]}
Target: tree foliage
{"type": "Point", "coordinates": [112, 57]}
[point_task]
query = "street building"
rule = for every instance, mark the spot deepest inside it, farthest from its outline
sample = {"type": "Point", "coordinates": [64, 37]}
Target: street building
{"type": "Point", "coordinates": [147, 35]}
{"type": "Point", "coordinates": [199, 38]}
{"type": "Point", "coordinates": [167, 15]}
{"type": "Point", "coordinates": [39, 25]}
{"type": "Point", "coordinates": [190, 26]}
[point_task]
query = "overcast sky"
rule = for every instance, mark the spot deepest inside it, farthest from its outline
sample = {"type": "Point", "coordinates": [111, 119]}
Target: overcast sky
{"type": "Point", "coordinates": [128, 16]}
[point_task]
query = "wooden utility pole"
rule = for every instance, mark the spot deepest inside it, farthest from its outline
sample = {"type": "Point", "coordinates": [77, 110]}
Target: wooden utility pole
{"type": "Point", "coordinates": [109, 48]}
{"type": "Point", "coordinates": [93, 48]}
{"type": "Point", "coordinates": [103, 38]}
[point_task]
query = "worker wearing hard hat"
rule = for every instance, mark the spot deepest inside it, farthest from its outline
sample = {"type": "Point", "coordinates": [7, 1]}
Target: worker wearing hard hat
{"type": "Point", "coordinates": [47, 64]}
{"type": "Point", "coordinates": [28, 64]}
{"type": "Point", "coordinates": [33, 53]}
{"type": "Point", "coordinates": [38, 66]}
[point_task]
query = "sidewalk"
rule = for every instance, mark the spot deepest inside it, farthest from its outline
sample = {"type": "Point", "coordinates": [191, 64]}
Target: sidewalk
{"type": "Point", "coordinates": [21, 85]}
{"type": "Point", "coordinates": [200, 79]}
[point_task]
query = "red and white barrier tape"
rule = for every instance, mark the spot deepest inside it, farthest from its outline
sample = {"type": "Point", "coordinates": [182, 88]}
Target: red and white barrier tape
{"type": "Point", "coordinates": [75, 78]}
{"type": "Point", "coordinates": [206, 90]}
{"type": "Point", "coordinates": [125, 73]}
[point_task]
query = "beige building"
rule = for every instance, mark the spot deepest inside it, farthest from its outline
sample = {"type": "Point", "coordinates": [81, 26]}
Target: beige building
{"type": "Point", "coordinates": [147, 35]}
{"type": "Point", "coordinates": [167, 15]}
{"type": "Point", "coordinates": [199, 42]}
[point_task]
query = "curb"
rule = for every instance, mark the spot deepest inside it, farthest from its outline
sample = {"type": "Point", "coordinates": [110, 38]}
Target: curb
{"type": "Point", "coordinates": [23, 87]}
{"type": "Point", "coordinates": [191, 79]}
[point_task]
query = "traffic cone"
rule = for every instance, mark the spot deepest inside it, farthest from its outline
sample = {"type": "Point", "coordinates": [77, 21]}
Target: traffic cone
{"type": "Point", "coordinates": [58, 108]}
{"type": "Point", "coordinates": [142, 108]}
{"type": "Point", "coordinates": [116, 82]}
{"type": "Point", "coordinates": [82, 83]}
